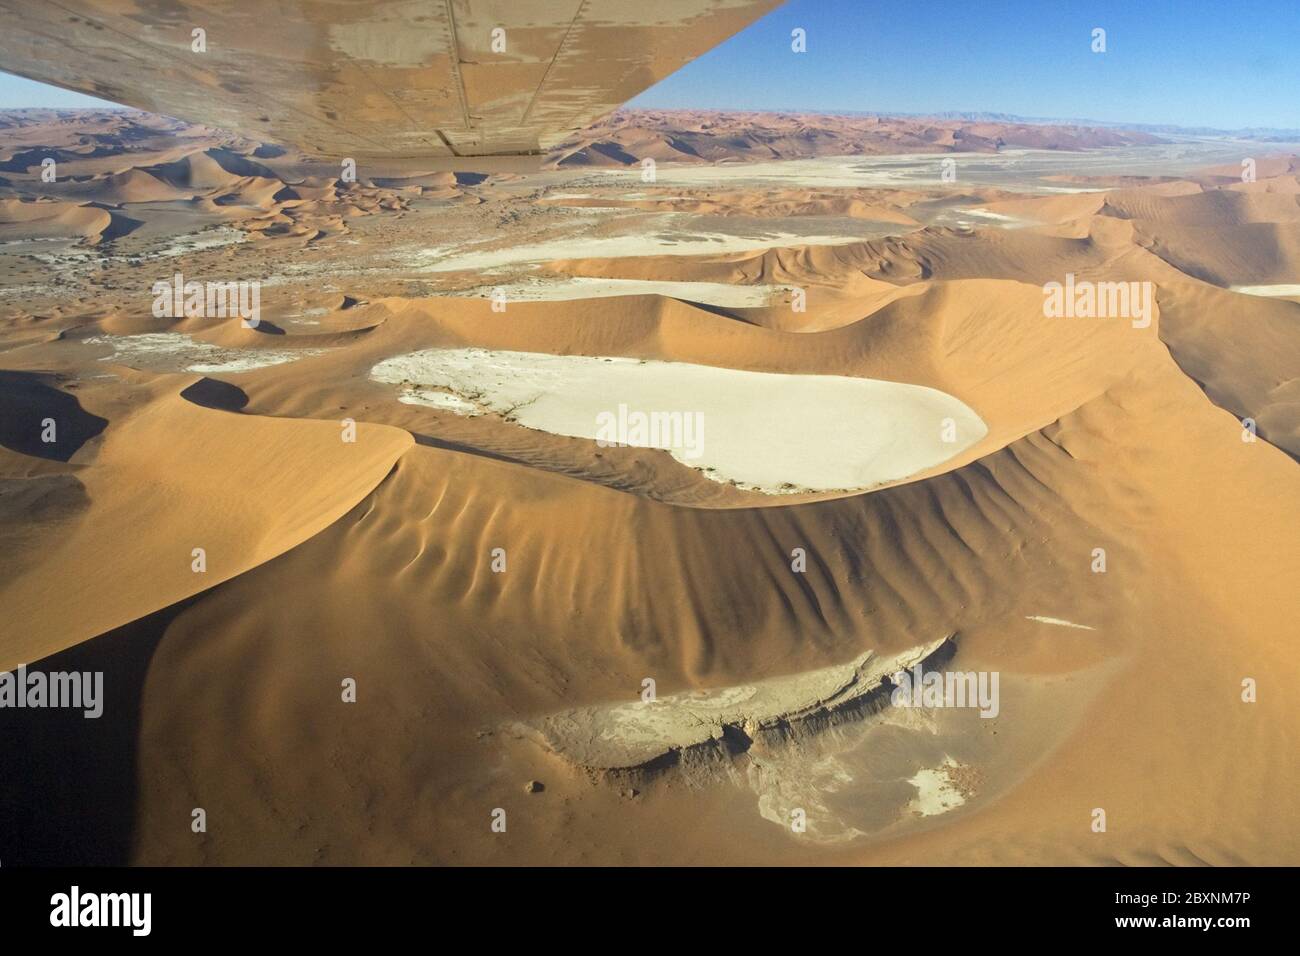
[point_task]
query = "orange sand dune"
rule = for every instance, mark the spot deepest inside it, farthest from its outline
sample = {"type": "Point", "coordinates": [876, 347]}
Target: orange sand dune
{"type": "Point", "coordinates": [697, 136]}
{"type": "Point", "coordinates": [1243, 351]}
{"type": "Point", "coordinates": [1111, 547]}
{"type": "Point", "coordinates": [920, 336]}
{"type": "Point", "coordinates": [52, 220]}
{"type": "Point", "coordinates": [168, 476]}
{"type": "Point", "coordinates": [978, 549]}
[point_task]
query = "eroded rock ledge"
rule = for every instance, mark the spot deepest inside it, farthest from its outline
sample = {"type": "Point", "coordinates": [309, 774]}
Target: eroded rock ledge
{"type": "Point", "coordinates": [703, 726]}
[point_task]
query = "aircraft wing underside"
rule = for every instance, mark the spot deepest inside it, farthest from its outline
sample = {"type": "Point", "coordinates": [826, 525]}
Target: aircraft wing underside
{"type": "Point", "coordinates": [371, 79]}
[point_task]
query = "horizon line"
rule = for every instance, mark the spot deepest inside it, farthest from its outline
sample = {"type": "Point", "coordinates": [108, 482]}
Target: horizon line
{"type": "Point", "coordinates": [954, 115]}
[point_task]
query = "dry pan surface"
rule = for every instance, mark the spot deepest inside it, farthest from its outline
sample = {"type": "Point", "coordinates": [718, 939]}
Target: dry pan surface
{"type": "Point", "coordinates": [758, 430]}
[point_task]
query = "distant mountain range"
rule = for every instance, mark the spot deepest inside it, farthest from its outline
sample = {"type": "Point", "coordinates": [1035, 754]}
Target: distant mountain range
{"type": "Point", "coordinates": [710, 136]}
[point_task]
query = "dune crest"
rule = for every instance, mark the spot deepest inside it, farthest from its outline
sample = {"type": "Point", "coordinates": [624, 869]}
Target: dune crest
{"type": "Point", "coordinates": [170, 477]}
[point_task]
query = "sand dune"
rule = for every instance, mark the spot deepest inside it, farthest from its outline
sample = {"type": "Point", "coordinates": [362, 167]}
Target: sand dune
{"type": "Point", "coordinates": [501, 587]}
{"type": "Point", "coordinates": [245, 472]}
{"type": "Point", "coordinates": [52, 220]}
{"type": "Point", "coordinates": [685, 136]}
{"type": "Point", "coordinates": [142, 183]}
{"type": "Point", "coordinates": [1243, 352]}
{"type": "Point", "coordinates": [927, 545]}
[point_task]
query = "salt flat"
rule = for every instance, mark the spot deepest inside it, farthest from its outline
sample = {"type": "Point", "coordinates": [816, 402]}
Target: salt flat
{"type": "Point", "coordinates": [1283, 291]}
{"type": "Point", "coordinates": [567, 289]}
{"type": "Point", "coordinates": [175, 350]}
{"type": "Point", "coordinates": [1024, 169]}
{"type": "Point", "coordinates": [760, 430]}
{"type": "Point", "coordinates": [612, 247]}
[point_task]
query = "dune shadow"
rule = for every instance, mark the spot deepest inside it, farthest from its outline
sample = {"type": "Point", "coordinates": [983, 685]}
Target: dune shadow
{"type": "Point", "coordinates": [213, 393]}
{"type": "Point", "coordinates": [68, 789]}
{"type": "Point", "coordinates": [40, 420]}
{"type": "Point", "coordinates": [24, 159]}
{"type": "Point", "coordinates": [430, 442]}
{"type": "Point", "coordinates": [717, 310]}
{"type": "Point", "coordinates": [237, 164]}
{"type": "Point", "coordinates": [119, 226]}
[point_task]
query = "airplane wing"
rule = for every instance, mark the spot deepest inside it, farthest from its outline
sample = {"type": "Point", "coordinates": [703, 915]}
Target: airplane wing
{"type": "Point", "coordinates": [370, 79]}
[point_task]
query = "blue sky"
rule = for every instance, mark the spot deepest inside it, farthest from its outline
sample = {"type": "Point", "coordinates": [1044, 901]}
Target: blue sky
{"type": "Point", "coordinates": [1222, 63]}
{"type": "Point", "coordinates": [17, 93]}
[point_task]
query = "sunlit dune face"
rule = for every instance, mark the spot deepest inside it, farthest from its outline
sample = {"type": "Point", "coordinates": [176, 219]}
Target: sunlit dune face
{"type": "Point", "coordinates": [759, 430]}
